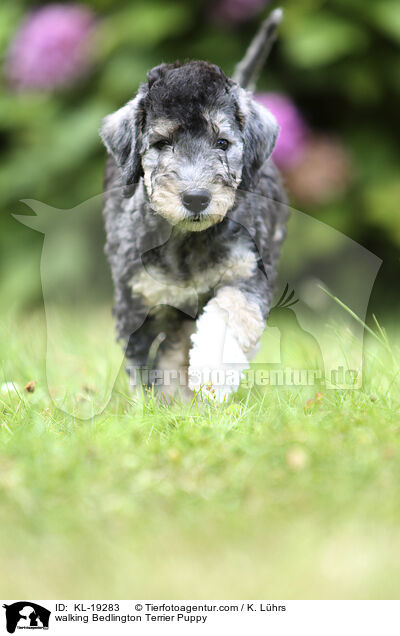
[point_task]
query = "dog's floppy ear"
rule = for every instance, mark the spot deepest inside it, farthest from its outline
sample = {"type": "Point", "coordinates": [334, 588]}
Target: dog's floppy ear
{"type": "Point", "coordinates": [158, 71]}
{"type": "Point", "coordinates": [155, 73]}
{"type": "Point", "coordinates": [121, 135]}
{"type": "Point", "coordinates": [260, 132]}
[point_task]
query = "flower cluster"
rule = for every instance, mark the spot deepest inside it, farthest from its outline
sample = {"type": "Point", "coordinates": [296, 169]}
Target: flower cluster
{"type": "Point", "coordinates": [316, 167]}
{"type": "Point", "coordinates": [292, 138]}
{"type": "Point", "coordinates": [51, 48]}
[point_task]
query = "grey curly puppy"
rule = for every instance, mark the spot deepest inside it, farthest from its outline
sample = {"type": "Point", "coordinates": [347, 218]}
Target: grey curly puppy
{"type": "Point", "coordinates": [195, 217]}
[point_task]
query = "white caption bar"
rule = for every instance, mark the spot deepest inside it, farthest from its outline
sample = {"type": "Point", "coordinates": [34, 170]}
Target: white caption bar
{"type": "Point", "coordinates": [170, 617]}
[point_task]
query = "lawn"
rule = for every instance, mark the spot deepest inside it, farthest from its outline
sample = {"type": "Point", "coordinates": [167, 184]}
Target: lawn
{"type": "Point", "coordinates": [265, 497]}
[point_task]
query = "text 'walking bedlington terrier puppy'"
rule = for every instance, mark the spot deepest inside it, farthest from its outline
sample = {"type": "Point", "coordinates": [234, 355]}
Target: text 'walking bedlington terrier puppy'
{"type": "Point", "coordinates": [195, 218]}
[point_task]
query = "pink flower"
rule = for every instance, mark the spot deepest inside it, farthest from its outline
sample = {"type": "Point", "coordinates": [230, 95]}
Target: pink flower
{"type": "Point", "coordinates": [323, 173]}
{"type": "Point", "coordinates": [237, 10]}
{"type": "Point", "coordinates": [292, 140]}
{"type": "Point", "coordinates": [51, 47]}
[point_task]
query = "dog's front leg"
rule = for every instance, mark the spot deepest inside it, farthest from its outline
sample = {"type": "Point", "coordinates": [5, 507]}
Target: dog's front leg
{"type": "Point", "coordinates": [227, 332]}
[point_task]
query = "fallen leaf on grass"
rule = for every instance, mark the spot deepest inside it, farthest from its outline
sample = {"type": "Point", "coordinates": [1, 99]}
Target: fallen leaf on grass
{"type": "Point", "coordinates": [30, 387]}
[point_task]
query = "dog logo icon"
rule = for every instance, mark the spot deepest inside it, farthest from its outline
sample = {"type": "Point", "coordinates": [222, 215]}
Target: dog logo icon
{"type": "Point", "coordinates": [26, 615]}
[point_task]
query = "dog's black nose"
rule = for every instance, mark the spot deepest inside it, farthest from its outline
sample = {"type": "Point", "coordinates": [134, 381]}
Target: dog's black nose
{"type": "Point", "coordinates": [196, 200]}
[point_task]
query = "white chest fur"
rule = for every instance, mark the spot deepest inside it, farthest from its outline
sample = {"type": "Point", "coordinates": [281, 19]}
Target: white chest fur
{"type": "Point", "coordinates": [154, 286]}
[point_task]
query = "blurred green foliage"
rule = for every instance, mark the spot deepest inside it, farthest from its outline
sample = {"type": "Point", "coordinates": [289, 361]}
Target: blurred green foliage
{"type": "Point", "coordinates": [337, 60]}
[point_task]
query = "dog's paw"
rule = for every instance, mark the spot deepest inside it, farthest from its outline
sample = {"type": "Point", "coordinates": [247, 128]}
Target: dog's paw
{"type": "Point", "coordinates": [213, 342]}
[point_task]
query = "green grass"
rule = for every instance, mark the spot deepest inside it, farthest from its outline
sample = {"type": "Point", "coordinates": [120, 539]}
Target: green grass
{"type": "Point", "coordinates": [261, 498]}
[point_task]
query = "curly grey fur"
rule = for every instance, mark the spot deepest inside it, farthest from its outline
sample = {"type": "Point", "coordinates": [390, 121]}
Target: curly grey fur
{"type": "Point", "coordinates": [160, 144]}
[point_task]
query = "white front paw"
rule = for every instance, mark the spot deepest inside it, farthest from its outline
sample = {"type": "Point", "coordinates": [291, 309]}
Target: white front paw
{"type": "Point", "coordinates": [213, 342]}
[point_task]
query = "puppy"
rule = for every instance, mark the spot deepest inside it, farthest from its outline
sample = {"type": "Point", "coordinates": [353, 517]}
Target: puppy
{"type": "Point", "coordinates": [195, 217]}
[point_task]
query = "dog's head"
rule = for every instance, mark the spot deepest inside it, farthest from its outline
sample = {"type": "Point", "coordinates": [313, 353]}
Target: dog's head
{"type": "Point", "coordinates": [195, 136]}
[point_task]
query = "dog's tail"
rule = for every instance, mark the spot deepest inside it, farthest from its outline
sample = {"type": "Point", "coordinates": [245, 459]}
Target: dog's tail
{"type": "Point", "coordinates": [247, 71]}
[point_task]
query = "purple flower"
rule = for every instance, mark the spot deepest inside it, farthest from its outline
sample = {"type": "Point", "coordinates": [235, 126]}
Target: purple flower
{"type": "Point", "coordinates": [237, 10]}
{"type": "Point", "coordinates": [323, 172]}
{"type": "Point", "coordinates": [51, 47]}
{"type": "Point", "coordinates": [292, 140]}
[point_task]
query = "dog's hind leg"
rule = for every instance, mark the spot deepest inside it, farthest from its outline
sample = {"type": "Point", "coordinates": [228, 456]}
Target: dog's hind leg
{"type": "Point", "coordinates": [172, 361]}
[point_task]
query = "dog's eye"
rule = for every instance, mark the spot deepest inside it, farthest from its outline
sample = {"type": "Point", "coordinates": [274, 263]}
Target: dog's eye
{"type": "Point", "coordinates": [222, 144]}
{"type": "Point", "coordinates": [161, 144]}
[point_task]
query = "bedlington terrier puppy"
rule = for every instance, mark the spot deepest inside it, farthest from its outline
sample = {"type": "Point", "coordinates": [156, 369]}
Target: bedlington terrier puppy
{"type": "Point", "coordinates": [195, 218]}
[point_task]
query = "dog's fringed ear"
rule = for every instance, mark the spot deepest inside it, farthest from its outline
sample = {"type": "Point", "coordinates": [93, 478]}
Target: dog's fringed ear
{"type": "Point", "coordinates": [155, 73]}
{"type": "Point", "coordinates": [260, 132]}
{"type": "Point", "coordinates": [158, 71]}
{"type": "Point", "coordinates": [121, 133]}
